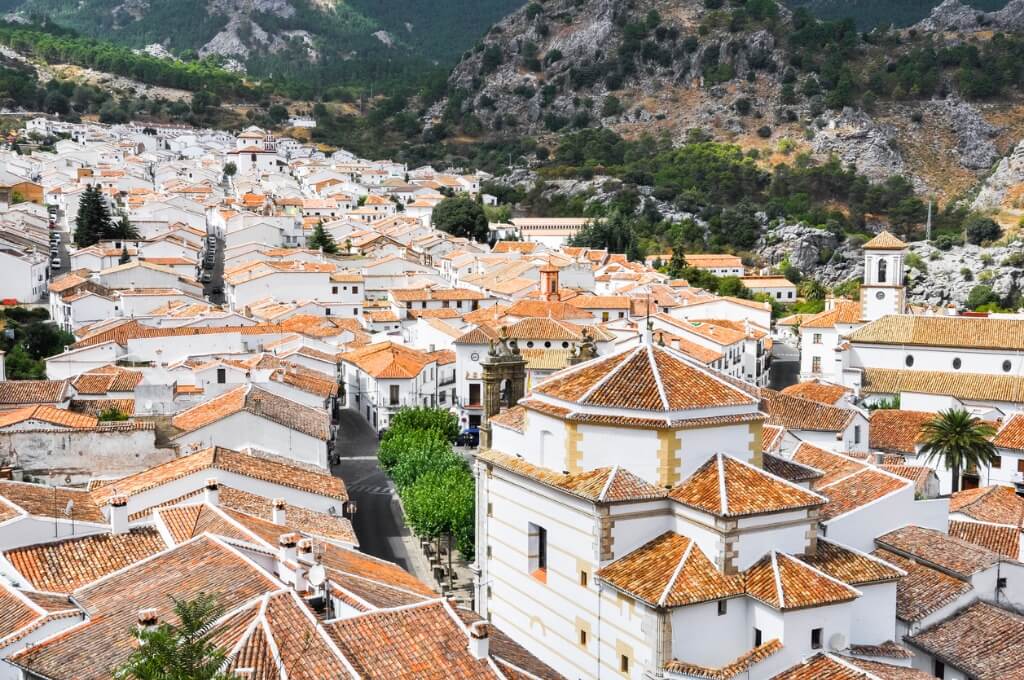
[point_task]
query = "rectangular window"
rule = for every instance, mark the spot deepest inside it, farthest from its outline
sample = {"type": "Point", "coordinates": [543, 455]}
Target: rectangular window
{"type": "Point", "coordinates": [789, 295]}
{"type": "Point", "coordinates": [856, 434]}
{"type": "Point", "coordinates": [538, 552]}
{"type": "Point", "coordinates": [939, 669]}
{"type": "Point", "coordinates": [624, 663]}
{"type": "Point", "coordinates": [355, 289]}
{"type": "Point", "coordinates": [997, 462]}
{"type": "Point", "coordinates": [222, 376]}
{"type": "Point", "coordinates": [474, 393]}
{"type": "Point", "coordinates": [816, 638]}
{"type": "Point", "coordinates": [1020, 465]}
{"type": "Point", "coordinates": [583, 578]}
{"type": "Point", "coordinates": [757, 637]}
{"type": "Point", "coordinates": [817, 338]}
{"type": "Point", "coordinates": [327, 311]}
{"type": "Point", "coordinates": [441, 397]}
{"type": "Point", "coordinates": [583, 638]}
{"type": "Point", "coordinates": [393, 389]}
{"type": "Point", "coordinates": [815, 364]}
{"type": "Point", "coordinates": [723, 607]}
{"type": "Point", "coordinates": [334, 290]}
{"type": "Point", "coordinates": [604, 316]}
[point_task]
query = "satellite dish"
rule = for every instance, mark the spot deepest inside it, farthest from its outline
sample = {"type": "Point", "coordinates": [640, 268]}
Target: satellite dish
{"type": "Point", "coordinates": [317, 575]}
{"type": "Point", "coordinates": [837, 642]}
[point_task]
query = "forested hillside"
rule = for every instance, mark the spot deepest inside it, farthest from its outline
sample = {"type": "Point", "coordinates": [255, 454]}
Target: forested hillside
{"type": "Point", "coordinates": [869, 14]}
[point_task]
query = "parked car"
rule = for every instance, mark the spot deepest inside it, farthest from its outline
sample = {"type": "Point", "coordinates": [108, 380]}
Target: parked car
{"type": "Point", "coordinates": [469, 437]}
{"type": "Point", "coordinates": [55, 263]}
{"type": "Point", "coordinates": [207, 277]}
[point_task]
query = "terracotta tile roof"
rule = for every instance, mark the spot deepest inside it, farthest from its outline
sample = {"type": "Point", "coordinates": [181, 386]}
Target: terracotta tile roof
{"type": "Point", "coordinates": [835, 466]}
{"type": "Point", "coordinates": [885, 241]}
{"type": "Point", "coordinates": [850, 566]}
{"type": "Point", "coordinates": [200, 566]}
{"type": "Point", "coordinates": [1011, 434]}
{"type": "Point", "coordinates": [835, 667]}
{"type": "Point", "coordinates": [185, 522]}
{"type": "Point", "coordinates": [784, 582]}
{"type": "Point", "coordinates": [50, 415]}
{"type": "Point", "coordinates": [16, 610]}
{"type": "Point", "coordinates": [647, 378]}
{"type": "Point", "coordinates": [981, 386]}
{"type": "Point", "coordinates": [728, 671]}
{"type": "Point", "coordinates": [266, 468]}
{"type": "Point", "coordinates": [65, 566]}
{"type": "Point", "coordinates": [560, 311]}
{"type": "Point", "coordinates": [131, 330]}
{"type": "Point", "coordinates": [982, 641]}
{"type": "Point", "coordinates": [307, 380]}
{"type": "Point", "coordinates": [918, 474]}
{"type": "Point", "coordinates": [846, 312]}
{"type": "Point", "coordinates": [795, 413]}
{"type": "Point", "coordinates": [259, 402]}
{"type": "Point", "coordinates": [94, 407]}
{"type": "Point", "coordinates": [670, 571]}
{"type": "Point", "coordinates": [424, 641]}
{"type": "Point", "coordinates": [788, 470]}
{"type": "Point", "coordinates": [726, 487]}
{"type": "Point", "coordinates": [388, 360]}
{"type": "Point", "coordinates": [943, 331]}
{"type": "Point", "coordinates": [300, 519]}
{"type": "Point", "coordinates": [997, 504]}
{"type": "Point", "coordinates": [23, 392]}
{"type": "Point", "coordinates": [857, 490]}
{"type": "Point", "coordinates": [600, 485]}
{"type": "Point", "coordinates": [771, 437]}
{"type": "Point", "coordinates": [107, 379]}
{"type": "Point", "coordinates": [376, 582]}
{"type": "Point", "coordinates": [998, 538]}
{"type": "Point", "coordinates": [600, 302]}
{"type": "Point", "coordinates": [424, 294]}
{"type": "Point", "coordinates": [896, 430]}
{"type": "Point", "coordinates": [512, 419]}
{"type": "Point", "coordinates": [946, 552]}
{"type": "Point", "coordinates": [924, 589]}
{"type": "Point", "coordinates": [888, 649]}
{"type": "Point", "coordinates": [823, 393]}
{"type": "Point", "coordinates": [48, 501]}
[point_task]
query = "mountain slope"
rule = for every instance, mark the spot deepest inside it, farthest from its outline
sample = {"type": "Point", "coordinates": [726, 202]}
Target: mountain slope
{"type": "Point", "coordinates": [879, 13]}
{"type": "Point", "coordinates": [314, 44]}
{"type": "Point", "coordinates": [757, 75]}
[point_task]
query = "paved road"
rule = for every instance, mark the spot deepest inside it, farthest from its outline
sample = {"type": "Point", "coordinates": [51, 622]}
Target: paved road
{"type": "Point", "coordinates": [217, 274]}
{"type": "Point", "coordinates": [378, 521]}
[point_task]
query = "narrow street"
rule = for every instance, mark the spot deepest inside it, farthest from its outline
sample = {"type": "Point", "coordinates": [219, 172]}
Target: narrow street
{"type": "Point", "coordinates": [378, 522]}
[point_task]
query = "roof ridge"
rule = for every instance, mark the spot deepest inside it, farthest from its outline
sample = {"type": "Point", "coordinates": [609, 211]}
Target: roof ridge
{"type": "Point", "coordinates": [778, 579]}
{"type": "Point", "coordinates": [608, 482]}
{"type": "Point", "coordinates": [868, 675]}
{"type": "Point", "coordinates": [675, 574]}
{"type": "Point", "coordinates": [657, 379]}
{"type": "Point", "coordinates": [723, 494]}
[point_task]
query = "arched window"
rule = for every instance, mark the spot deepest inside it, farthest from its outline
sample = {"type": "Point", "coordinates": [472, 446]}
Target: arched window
{"type": "Point", "coordinates": [881, 270]}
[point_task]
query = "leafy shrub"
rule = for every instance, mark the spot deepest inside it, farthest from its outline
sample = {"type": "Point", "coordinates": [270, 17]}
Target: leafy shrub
{"type": "Point", "coordinates": [978, 229]}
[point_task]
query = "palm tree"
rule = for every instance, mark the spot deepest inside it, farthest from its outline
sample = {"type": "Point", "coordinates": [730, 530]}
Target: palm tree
{"type": "Point", "coordinates": [960, 440]}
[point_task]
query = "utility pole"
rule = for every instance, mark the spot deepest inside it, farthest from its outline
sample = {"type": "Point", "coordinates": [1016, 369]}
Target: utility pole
{"type": "Point", "coordinates": [928, 224]}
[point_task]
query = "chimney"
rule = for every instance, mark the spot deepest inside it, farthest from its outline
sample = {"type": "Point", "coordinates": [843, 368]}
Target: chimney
{"type": "Point", "coordinates": [119, 515]}
{"type": "Point", "coordinates": [280, 512]}
{"type": "Point", "coordinates": [148, 620]}
{"type": "Point", "coordinates": [211, 494]}
{"type": "Point", "coordinates": [479, 640]}
{"type": "Point", "coordinates": [288, 543]}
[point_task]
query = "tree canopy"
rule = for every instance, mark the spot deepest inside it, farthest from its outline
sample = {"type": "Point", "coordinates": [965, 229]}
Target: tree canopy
{"type": "Point", "coordinates": [960, 441]}
{"type": "Point", "coordinates": [463, 217]}
{"type": "Point", "coordinates": [321, 239]}
{"type": "Point", "coordinates": [93, 223]}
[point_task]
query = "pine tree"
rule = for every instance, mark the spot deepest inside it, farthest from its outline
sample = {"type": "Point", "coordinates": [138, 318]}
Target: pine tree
{"type": "Point", "coordinates": [124, 230]}
{"type": "Point", "coordinates": [677, 264]}
{"type": "Point", "coordinates": [93, 221]}
{"type": "Point", "coordinates": [124, 259]}
{"type": "Point", "coordinates": [321, 239]}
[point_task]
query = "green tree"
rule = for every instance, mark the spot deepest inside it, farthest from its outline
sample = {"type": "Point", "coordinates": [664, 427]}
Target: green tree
{"type": "Point", "coordinates": [981, 295]}
{"type": "Point", "coordinates": [431, 451]}
{"type": "Point", "coordinates": [123, 230]}
{"type": "Point", "coordinates": [92, 223]}
{"type": "Point", "coordinates": [960, 441]}
{"type": "Point", "coordinates": [20, 366]}
{"type": "Point", "coordinates": [320, 238]}
{"type": "Point", "coordinates": [424, 418]}
{"type": "Point", "coordinates": [733, 287]}
{"type": "Point", "coordinates": [230, 168]}
{"type": "Point", "coordinates": [112, 414]}
{"type": "Point", "coordinates": [677, 265]}
{"type": "Point", "coordinates": [44, 339]}
{"type": "Point", "coordinates": [441, 502]}
{"type": "Point", "coordinates": [978, 229]}
{"type": "Point", "coordinates": [462, 216]}
{"type": "Point", "coordinates": [181, 651]}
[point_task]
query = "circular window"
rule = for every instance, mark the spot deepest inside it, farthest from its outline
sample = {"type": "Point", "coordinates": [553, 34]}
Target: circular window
{"type": "Point", "coordinates": [475, 356]}
{"type": "Point", "coordinates": [547, 343]}
{"type": "Point", "coordinates": [1006, 366]}
{"type": "Point", "coordinates": [880, 295]}
{"type": "Point", "coordinates": [957, 363]}
{"type": "Point", "coordinates": [909, 361]}
{"type": "Point", "coordinates": [565, 345]}
{"type": "Point", "coordinates": [529, 343]}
